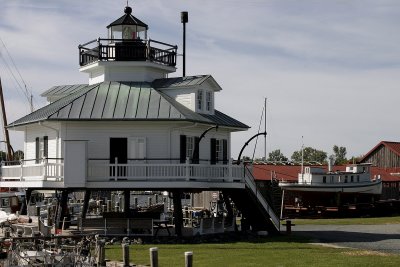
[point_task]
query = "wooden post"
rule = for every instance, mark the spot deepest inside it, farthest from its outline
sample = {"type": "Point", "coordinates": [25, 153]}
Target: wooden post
{"type": "Point", "coordinates": [49, 220]}
{"type": "Point", "coordinates": [101, 253]}
{"type": "Point", "coordinates": [6, 136]}
{"type": "Point", "coordinates": [24, 207]}
{"type": "Point", "coordinates": [86, 203]}
{"type": "Point", "coordinates": [127, 201]}
{"type": "Point", "coordinates": [64, 208]}
{"type": "Point", "coordinates": [108, 205]}
{"type": "Point", "coordinates": [125, 254]}
{"type": "Point", "coordinates": [188, 259]}
{"type": "Point", "coordinates": [187, 169]}
{"type": "Point", "coordinates": [178, 215]}
{"type": "Point", "coordinates": [154, 257]}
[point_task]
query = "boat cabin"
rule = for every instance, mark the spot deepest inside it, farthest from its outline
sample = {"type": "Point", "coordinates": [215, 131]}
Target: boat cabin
{"type": "Point", "coordinates": [355, 173]}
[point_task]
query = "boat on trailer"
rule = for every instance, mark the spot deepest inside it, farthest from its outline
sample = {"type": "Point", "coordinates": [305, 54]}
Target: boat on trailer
{"type": "Point", "coordinates": [355, 179]}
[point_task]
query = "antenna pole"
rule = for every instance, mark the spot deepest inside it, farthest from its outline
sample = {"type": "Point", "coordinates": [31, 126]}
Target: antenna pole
{"type": "Point", "coordinates": [184, 20]}
{"type": "Point", "coordinates": [4, 117]}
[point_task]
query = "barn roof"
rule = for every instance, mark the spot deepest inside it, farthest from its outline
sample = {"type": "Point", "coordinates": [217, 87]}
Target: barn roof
{"type": "Point", "coordinates": [122, 101]}
{"type": "Point", "coordinates": [290, 173]}
{"type": "Point", "coordinates": [392, 146]}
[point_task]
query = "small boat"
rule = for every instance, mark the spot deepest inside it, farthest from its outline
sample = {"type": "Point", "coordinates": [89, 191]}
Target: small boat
{"type": "Point", "coordinates": [11, 200]}
{"type": "Point", "coordinates": [355, 179]}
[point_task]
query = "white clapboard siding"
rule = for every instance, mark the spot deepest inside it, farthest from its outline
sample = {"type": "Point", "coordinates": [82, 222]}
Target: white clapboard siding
{"type": "Point", "coordinates": [155, 145]}
{"type": "Point", "coordinates": [32, 132]}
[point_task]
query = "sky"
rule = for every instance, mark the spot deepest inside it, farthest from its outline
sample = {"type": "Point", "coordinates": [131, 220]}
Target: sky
{"type": "Point", "coordinates": [330, 70]}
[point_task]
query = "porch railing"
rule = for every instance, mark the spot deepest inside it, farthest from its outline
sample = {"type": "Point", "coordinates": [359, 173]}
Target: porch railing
{"type": "Point", "coordinates": [45, 170]}
{"type": "Point", "coordinates": [98, 171]}
{"type": "Point", "coordinates": [102, 170]}
{"type": "Point", "coordinates": [127, 50]}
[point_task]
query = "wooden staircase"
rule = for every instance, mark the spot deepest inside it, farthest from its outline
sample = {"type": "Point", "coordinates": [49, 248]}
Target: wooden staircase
{"type": "Point", "coordinates": [257, 212]}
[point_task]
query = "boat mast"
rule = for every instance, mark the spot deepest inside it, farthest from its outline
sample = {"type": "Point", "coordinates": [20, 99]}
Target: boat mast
{"type": "Point", "coordinates": [265, 129]}
{"type": "Point", "coordinates": [302, 159]}
{"type": "Point", "coordinates": [4, 117]}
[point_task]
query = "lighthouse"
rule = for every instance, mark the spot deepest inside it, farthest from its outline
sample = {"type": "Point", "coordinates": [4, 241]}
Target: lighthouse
{"type": "Point", "coordinates": [133, 128]}
{"type": "Point", "coordinates": [127, 54]}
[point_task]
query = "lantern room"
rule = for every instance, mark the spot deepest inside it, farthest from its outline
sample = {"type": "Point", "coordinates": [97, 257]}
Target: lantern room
{"type": "Point", "coordinates": [127, 54]}
{"type": "Point", "coordinates": [127, 27]}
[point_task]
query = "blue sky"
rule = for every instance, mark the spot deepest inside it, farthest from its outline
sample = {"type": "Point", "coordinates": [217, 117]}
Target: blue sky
{"type": "Point", "coordinates": [330, 69]}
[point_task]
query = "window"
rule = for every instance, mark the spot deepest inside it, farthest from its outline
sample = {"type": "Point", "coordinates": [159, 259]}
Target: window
{"type": "Point", "coordinates": [200, 99]}
{"type": "Point", "coordinates": [324, 179]}
{"type": "Point", "coordinates": [352, 178]}
{"type": "Point", "coordinates": [219, 151]}
{"type": "Point", "coordinates": [209, 101]}
{"type": "Point", "coordinates": [42, 148]}
{"type": "Point", "coordinates": [189, 146]}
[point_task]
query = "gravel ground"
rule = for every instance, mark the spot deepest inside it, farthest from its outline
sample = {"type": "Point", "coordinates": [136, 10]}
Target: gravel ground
{"type": "Point", "coordinates": [382, 238]}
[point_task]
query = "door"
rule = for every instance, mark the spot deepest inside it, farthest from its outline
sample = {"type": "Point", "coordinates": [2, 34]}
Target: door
{"type": "Point", "coordinates": [119, 153]}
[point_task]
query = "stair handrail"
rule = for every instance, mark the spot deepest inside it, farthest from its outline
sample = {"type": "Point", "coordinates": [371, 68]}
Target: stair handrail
{"type": "Point", "coordinates": [251, 183]}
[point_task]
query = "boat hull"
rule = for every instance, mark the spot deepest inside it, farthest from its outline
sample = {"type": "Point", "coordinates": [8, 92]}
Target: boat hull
{"type": "Point", "coordinates": [373, 188]}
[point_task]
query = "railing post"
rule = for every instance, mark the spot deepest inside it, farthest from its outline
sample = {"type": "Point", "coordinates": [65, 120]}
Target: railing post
{"type": "Point", "coordinates": [44, 169]}
{"type": "Point", "coordinates": [187, 169]}
{"type": "Point", "coordinates": [115, 169]}
{"type": "Point", "coordinates": [22, 171]}
{"type": "Point", "coordinates": [230, 170]}
{"type": "Point", "coordinates": [100, 54]}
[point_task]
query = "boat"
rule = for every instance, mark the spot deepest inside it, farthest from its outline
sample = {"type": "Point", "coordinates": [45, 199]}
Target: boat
{"type": "Point", "coordinates": [11, 200]}
{"type": "Point", "coordinates": [356, 179]}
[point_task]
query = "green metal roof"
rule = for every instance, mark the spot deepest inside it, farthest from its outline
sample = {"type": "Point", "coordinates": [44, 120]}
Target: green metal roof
{"type": "Point", "coordinates": [122, 101]}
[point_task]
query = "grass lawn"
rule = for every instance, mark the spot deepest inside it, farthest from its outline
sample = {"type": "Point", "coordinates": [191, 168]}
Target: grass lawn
{"type": "Point", "coordinates": [270, 251]}
{"type": "Point", "coordinates": [349, 221]}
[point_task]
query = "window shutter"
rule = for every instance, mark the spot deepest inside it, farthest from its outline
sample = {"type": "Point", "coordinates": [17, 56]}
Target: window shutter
{"type": "Point", "coordinates": [196, 153]}
{"type": "Point", "coordinates": [213, 149]}
{"type": "Point", "coordinates": [45, 146]}
{"type": "Point", "coordinates": [183, 148]}
{"type": "Point", "coordinates": [37, 145]}
{"type": "Point", "coordinates": [225, 151]}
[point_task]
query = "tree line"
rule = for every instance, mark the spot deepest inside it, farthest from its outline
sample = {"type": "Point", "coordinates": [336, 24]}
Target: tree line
{"type": "Point", "coordinates": [313, 156]}
{"type": "Point", "coordinates": [18, 155]}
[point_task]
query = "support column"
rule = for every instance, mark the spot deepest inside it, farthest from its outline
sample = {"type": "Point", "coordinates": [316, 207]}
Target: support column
{"type": "Point", "coordinates": [64, 208]}
{"type": "Point", "coordinates": [24, 206]}
{"type": "Point", "coordinates": [86, 203]}
{"type": "Point", "coordinates": [127, 202]}
{"type": "Point", "coordinates": [228, 206]}
{"type": "Point", "coordinates": [178, 216]}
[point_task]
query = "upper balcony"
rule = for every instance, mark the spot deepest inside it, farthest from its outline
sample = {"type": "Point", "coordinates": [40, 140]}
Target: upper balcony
{"type": "Point", "coordinates": [127, 50]}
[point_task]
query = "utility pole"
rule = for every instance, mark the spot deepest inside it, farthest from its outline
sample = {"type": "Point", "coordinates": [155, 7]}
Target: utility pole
{"type": "Point", "coordinates": [4, 117]}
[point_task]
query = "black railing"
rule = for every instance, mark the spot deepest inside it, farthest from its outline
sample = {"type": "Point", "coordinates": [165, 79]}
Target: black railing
{"type": "Point", "coordinates": [127, 50]}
